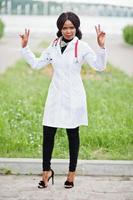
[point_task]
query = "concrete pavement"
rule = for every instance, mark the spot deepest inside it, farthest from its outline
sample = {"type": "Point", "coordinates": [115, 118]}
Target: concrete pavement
{"type": "Point", "coordinates": [84, 167]}
{"type": "Point", "coordinates": [120, 54]}
{"type": "Point", "coordinates": [14, 187]}
{"type": "Point", "coordinates": [100, 180]}
{"type": "Point", "coordinates": [8, 52]}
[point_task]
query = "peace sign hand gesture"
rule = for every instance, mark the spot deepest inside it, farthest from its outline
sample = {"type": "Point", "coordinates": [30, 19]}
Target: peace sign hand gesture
{"type": "Point", "coordinates": [25, 38]}
{"type": "Point", "coordinates": [100, 36]}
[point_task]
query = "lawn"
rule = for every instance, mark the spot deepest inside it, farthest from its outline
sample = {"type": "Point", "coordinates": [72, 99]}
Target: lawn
{"type": "Point", "coordinates": [109, 134]}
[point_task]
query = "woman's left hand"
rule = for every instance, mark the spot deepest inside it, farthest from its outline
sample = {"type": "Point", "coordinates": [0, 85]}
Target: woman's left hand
{"type": "Point", "coordinates": [100, 36]}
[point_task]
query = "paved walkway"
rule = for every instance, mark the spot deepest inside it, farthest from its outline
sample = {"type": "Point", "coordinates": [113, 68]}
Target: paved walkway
{"type": "Point", "coordinates": [86, 188]}
{"type": "Point", "coordinates": [119, 53]}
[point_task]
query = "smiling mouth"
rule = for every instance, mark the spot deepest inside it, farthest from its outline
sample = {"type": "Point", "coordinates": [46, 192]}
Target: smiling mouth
{"type": "Point", "coordinates": [68, 35]}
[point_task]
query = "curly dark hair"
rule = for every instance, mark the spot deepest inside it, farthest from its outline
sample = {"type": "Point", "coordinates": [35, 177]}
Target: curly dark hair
{"type": "Point", "coordinates": [73, 18]}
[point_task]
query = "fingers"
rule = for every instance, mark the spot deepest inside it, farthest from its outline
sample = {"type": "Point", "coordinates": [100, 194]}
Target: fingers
{"type": "Point", "coordinates": [27, 32]}
{"type": "Point", "coordinates": [98, 29]}
{"type": "Point", "coordinates": [102, 34]}
{"type": "Point", "coordinates": [21, 35]}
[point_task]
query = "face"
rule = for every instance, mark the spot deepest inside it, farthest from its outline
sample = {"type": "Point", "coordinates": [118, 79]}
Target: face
{"type": "Point", "coordinates": [68, 31]}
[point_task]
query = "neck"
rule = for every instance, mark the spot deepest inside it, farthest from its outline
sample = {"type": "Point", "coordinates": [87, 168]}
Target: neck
{"type": "Point", "coordinates": [66, 40]}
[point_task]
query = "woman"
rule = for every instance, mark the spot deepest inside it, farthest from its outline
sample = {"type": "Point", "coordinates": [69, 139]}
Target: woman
{"type": "Point", "coordinates": [65, 106]}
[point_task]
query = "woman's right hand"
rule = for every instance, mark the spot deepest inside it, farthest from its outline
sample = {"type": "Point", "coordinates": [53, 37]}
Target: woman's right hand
{"type": "Point", "coordinates": [25, 38]}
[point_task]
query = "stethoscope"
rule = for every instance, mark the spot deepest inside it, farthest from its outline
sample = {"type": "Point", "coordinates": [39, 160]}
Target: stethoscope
{"type": "Point", "coordinates": [55, 42]}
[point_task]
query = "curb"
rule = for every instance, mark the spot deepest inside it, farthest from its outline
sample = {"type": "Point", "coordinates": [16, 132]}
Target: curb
{"type": "Point", "coordinates": [84, 167]}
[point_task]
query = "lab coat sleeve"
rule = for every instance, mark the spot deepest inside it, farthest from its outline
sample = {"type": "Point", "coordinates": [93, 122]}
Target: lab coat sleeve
{"type": "Point", "coordinates": [33, 61]}
{"type": "Point", "coordinates": [96, 60]}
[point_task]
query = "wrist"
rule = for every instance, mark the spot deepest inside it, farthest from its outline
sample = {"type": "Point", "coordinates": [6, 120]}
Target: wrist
{"type": "Point", "coordinates": [23, 46]}
{"type": "Point", "coordinates": [102, 47]}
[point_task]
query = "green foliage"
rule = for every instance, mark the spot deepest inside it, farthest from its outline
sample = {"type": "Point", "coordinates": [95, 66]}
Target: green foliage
{"type": "Point", "coordinates": [5, 171]}
{"type": "Point", "coordinates": [128, 34]}
{"type": "Point", "coordinates": [1, 28]}
{"type": "Point", "coordinates": [109, 100]}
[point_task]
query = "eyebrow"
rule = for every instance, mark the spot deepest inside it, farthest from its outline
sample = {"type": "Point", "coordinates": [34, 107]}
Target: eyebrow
{"type": "Point", "coordinates": [68, 26]}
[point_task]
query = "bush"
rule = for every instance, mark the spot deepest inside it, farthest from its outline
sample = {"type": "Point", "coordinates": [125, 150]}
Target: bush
{"type": "Point", "coordinates": [128, 34]}
{"type": "Point", "coordinates": [1, 28]}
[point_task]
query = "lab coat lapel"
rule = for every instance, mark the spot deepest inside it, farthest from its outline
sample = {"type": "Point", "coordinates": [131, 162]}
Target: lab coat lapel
{"type": "Point", "coordinates": [68, 48]}
{"type": "Point", "coordinates": [71, 44]}
{"type": "Point", "coordinates": [58, 47]}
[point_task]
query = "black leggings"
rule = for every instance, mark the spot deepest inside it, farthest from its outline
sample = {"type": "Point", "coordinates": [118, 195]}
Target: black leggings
{"type": "Point", "coordinates": [48, 144]}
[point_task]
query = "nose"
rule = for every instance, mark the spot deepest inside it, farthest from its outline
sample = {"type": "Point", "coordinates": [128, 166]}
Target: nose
{"type": "Point", "coordinates": [68, 31]}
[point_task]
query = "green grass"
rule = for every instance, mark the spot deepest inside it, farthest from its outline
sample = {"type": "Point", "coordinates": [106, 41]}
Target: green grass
{"type": "Point", "coordinates": [110, 109]}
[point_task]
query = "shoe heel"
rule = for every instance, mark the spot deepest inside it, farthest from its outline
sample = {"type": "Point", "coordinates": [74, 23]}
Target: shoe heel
{"type": "Point", "coordinates": [43, 185]}
{"type": "Point", "coordinates": [52, 180]}
{"type": "Point", "coordinates": [52, 177]}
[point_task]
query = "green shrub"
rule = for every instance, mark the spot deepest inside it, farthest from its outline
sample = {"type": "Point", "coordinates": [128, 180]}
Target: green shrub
{"type": "Point", "coordinates": [1, 28]}
{"type": "Point", "coordinates": [128, 34]}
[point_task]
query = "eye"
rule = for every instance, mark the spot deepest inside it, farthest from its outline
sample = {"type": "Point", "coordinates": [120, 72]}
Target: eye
{"type": "Point", "coordinates": [71, 27]}
{"type": "Point", "coordinates": [64, 28]}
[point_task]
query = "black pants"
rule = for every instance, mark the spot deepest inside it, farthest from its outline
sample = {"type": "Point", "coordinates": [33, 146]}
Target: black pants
{"type": "Point", "coordinates": [48, 144]}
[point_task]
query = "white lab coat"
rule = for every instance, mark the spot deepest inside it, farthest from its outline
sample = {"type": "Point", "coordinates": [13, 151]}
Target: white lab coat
{"type": "Point", "coordinates": [66, 105]}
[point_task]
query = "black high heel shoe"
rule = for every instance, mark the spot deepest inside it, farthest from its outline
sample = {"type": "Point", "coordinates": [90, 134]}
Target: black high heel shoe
{"type": "Point", "coordinates": [43, 185]}
{"type": "Point", "coordinates": [68, 184]}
